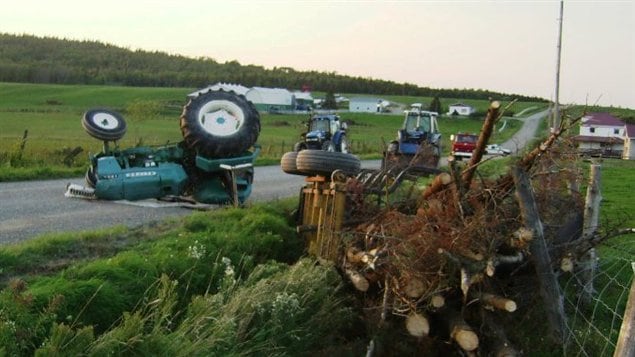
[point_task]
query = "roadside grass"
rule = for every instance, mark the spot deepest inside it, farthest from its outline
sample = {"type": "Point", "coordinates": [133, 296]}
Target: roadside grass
{"type": "Point", "coordinates": [52, 116]}
{"type": "Point", "coordinates": [91, 279]}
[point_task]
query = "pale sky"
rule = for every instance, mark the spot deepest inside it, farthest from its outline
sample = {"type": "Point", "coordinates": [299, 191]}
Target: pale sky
{"type": "Point", "coordinates": [507, 46]}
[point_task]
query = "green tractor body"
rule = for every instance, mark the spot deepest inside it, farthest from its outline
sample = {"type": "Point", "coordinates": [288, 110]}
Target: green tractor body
{"type": "Point", "coordinates": [137, 173]}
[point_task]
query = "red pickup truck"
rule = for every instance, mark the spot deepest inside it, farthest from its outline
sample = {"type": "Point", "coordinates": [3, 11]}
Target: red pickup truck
{"type": "Point", "coordinates": [463, 144]}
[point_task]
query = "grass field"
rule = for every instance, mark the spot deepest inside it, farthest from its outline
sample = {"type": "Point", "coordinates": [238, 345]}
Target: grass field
{"type": "Point", "coordinates": [52, 115]}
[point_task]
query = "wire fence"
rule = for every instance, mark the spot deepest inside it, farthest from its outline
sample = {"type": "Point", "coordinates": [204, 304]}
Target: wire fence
{"type": "Point", "coordinates": [594, 321]}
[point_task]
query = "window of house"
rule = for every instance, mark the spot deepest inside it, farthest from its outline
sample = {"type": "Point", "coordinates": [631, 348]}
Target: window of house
{"type": "Point", "coordinates": [616, 131]}
{"type": "Point", "coordinates": [592, 130]}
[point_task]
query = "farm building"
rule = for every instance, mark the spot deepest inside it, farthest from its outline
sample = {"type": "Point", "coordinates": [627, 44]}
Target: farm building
{"type": "Point", "coordinates": [271, 99]}
{"type": "Point", "coordinates": [601, 134]}
{"type": "Point", "coordinates": [461, 109]}
{"type": "Point", "coordinates": [364, 105]}
{"type": "Point", "coordinates": [629, 142]}
{"type": "Point", "coordinates": [227, 87]}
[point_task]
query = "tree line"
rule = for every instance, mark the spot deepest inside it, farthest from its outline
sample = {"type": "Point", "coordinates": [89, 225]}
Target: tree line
{"type": "Point", "coordinates": [32, 59]}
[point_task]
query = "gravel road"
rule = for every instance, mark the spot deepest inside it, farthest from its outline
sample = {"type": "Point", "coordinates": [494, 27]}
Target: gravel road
{"type": "Point", "coordinates": [32, 208]}
{"type": "Point", "coordinates": [526, 133]}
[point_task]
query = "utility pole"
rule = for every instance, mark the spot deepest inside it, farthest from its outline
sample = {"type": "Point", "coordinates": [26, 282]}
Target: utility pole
{"type": "Point", "coordinates": [556, 109]}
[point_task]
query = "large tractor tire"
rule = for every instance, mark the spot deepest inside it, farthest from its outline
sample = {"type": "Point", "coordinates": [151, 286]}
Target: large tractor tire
{"type": "Point", "coordinates": [104, 124]}
{"type": "Point", "coordinates": [288, 163]}
{"type": "Point", "coordinates": [318, 162]}
{"type": "Point", "coordinates": [220, 124]}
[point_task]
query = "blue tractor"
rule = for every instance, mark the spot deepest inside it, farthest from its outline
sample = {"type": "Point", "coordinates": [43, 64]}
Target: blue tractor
{"type": "Point", "coordinates": [324, 132]}
{"type": "Point", "coordinates": [418, 141]}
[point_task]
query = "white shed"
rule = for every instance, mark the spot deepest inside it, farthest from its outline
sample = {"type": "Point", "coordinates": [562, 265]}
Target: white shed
{"type": "Point", "coordinates": [461, 109]}
{"type": "Point", "coordinates": [364, 105]}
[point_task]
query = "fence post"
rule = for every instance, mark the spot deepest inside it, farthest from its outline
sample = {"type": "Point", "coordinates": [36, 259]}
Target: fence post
{"type": "Point", "coordinates": [626, 341]}
{"type": "Point", "coordinates": [588, 262]}
{"type": "Point", "coordinates": [549, 287]}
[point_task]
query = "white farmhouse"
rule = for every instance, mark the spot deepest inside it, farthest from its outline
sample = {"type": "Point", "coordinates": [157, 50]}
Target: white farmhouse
{"type": "Point", "coordinates": [601, 134]}
{"type": "Point", "coordinates": [365, 105]}
{"type": "Point", "coordinates": [461, 109]}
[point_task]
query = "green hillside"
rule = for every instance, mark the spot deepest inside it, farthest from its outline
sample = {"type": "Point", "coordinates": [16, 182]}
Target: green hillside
{"type": "Point", "coordinates": [30, 59]}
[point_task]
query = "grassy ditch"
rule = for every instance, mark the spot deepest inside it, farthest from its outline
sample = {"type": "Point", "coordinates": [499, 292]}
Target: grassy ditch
{"type": "Point", "coordinates": [42, 136]}
{"type": "Point", "coordinates": [229, 282]}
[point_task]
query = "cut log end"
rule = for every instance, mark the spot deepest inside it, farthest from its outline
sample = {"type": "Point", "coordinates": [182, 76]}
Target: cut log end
{"type": "Point", "coordinates": [467, 339]}
{"type": "Point", "coordinates": [499, 302]}
{"type": "Point", "coordinates": [511, 306]}
{"type": "Point", "coordinates": [566, 264]}
{"type": "Point", "coordinates": [437, 301]}
{"type": "Point", "coordinates": [359, 281]}
{"type": "Point", "coordinates": [417, 325]}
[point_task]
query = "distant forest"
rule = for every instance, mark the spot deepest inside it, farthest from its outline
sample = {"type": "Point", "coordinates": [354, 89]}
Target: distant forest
{"type": "Point", "coordinates": [31, 59]}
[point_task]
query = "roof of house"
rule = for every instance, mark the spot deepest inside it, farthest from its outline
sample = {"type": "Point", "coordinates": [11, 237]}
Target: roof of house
{"type": "Point", "coordinates": [460, 105]}
{"type": "Point", "coordinates": [598, 139]}
{"type": "Point", "coordinates": [601, 119]}
{"type": "Point", "coordinates": [630, 131]}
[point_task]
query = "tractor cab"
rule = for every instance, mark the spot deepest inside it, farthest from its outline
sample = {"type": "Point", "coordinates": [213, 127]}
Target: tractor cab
{"type": "Point", "coordinates": [419, 126]}
{"type": "Point", "coordinates": [418, 141]}
{"type": "Point", "coordinates": [324, 132]}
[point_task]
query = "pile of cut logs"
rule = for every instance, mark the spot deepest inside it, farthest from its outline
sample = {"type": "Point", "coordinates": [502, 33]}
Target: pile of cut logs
{"type": "Point", "coordinates": [473, 250]}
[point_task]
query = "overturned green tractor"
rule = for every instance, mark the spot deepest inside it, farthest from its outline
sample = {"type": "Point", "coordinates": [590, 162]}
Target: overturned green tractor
{"type": "Point", "coordinates": [213, 164]}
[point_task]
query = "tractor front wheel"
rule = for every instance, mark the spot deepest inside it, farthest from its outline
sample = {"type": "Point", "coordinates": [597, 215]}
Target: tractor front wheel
{"type": "Point", "coordinates": [328, 145]}
{"type": "Point", "coordinates": [104, 124]}
{"type": "Point", "coordinates": [299, 146]}
{"type": "Point", "coordinates": [393, 147]}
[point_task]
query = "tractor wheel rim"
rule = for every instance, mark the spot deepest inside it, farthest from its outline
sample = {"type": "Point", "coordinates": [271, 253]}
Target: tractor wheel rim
{"type": "Point", "coordinates": [105, 121]}
{"type": "Point", "coordinates": [221, 118]}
